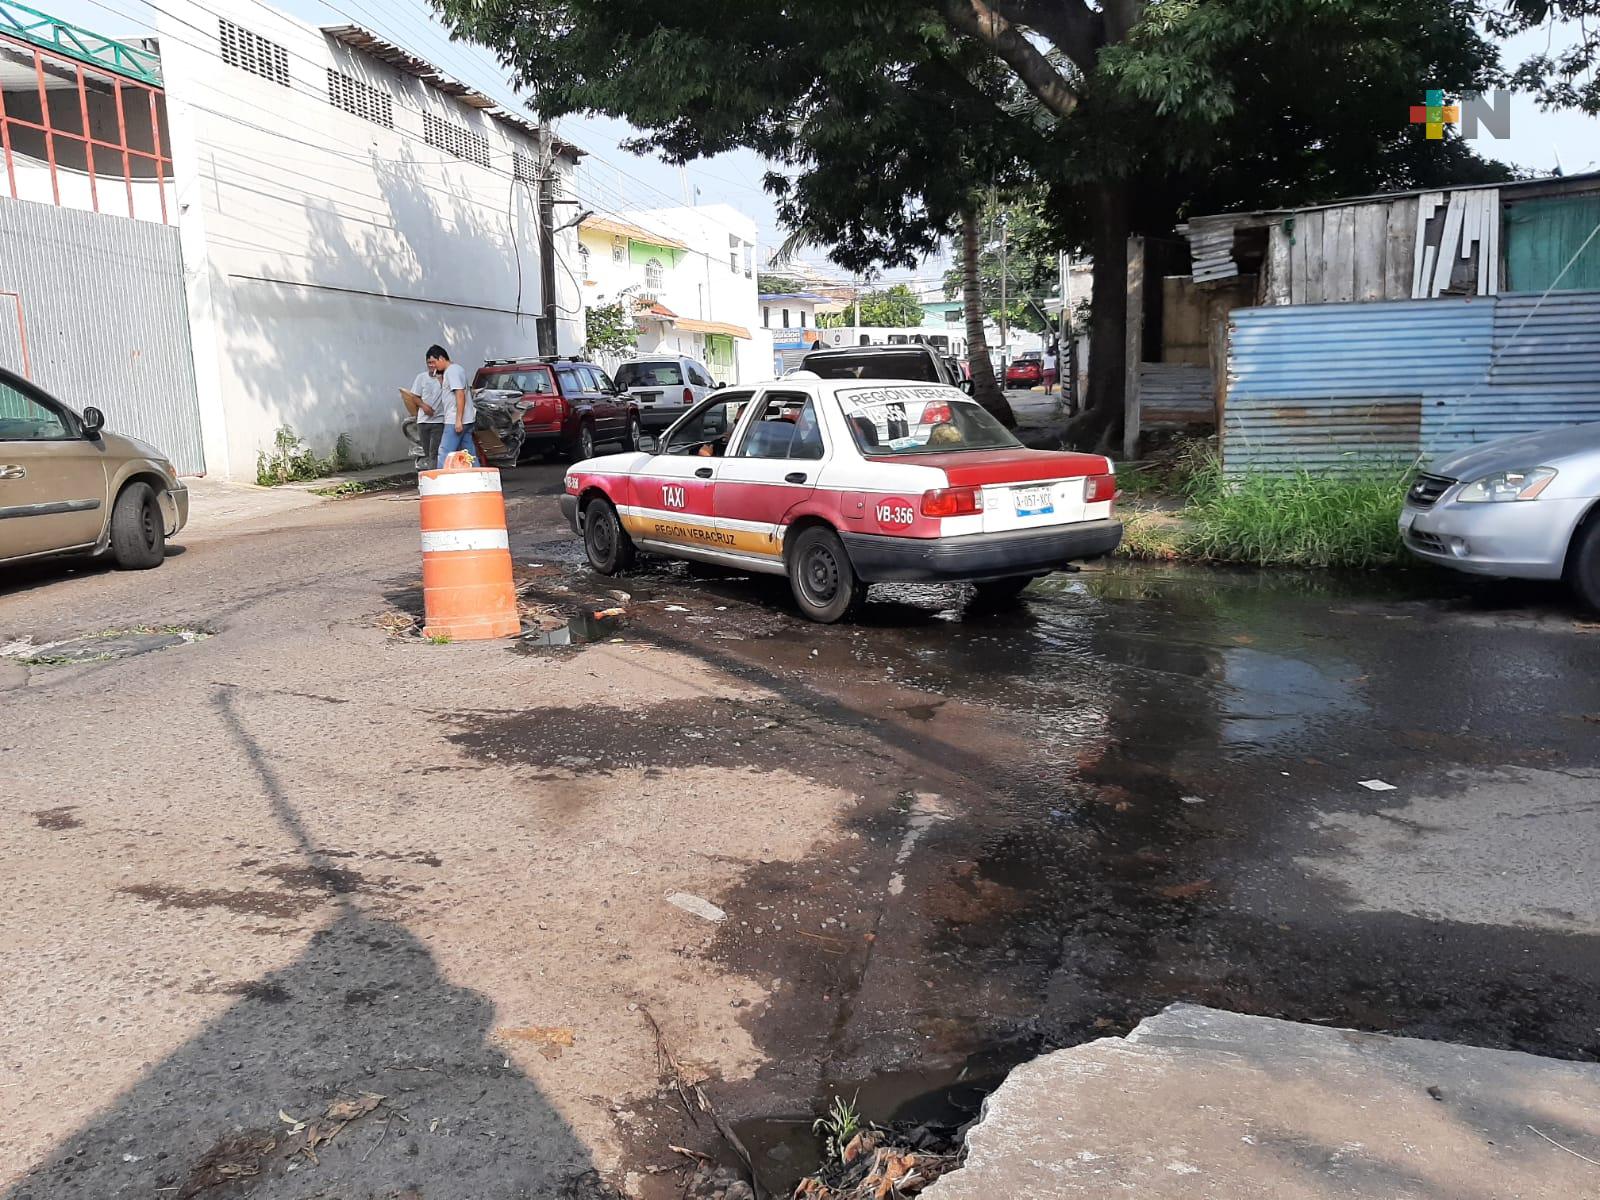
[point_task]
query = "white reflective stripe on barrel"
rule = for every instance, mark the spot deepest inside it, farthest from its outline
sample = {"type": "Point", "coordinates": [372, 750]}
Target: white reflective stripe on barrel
{"type": "Point", "coordinates": [446, 541]}
{"type": "Point", "coordinates": [457, 483]}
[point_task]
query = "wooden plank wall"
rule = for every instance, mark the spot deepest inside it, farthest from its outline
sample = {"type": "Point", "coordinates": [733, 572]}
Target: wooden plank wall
{"type": "Point", "coordinates": [1350, 252]}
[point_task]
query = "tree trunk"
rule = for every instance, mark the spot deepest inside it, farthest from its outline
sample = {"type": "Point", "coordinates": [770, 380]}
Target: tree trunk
{"type": "Point", "coordinates": [1101, 421]}
{"type": "Point", "coordinates": [986, 388]}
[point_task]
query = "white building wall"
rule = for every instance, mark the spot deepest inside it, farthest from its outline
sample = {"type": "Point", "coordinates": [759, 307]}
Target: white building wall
{"type": "Point", "coordinates": [712, 280]}
{"type": "Point", "coordinates": [326, 252]}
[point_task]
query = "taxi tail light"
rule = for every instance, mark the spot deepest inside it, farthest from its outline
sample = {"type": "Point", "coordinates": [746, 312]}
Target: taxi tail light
{"type": "Point", "coordinates": [1097, 489]}
{"type": "Point", "coordinates": [952, 502]}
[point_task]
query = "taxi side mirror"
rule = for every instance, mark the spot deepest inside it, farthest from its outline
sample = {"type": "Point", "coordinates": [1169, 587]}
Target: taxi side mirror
{"type": "Point", "coordinates": [966, 386]}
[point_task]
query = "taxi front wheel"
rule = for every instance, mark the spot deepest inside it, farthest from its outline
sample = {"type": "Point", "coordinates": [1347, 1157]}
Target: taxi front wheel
{"type": "Point", "coordinates": [609, 547]}
{"type": "Point", "coordinates": [824, 583]}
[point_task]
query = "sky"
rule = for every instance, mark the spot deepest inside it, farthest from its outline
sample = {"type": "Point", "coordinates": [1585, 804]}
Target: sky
{"type": "Point", "coordinates": [614, 180]}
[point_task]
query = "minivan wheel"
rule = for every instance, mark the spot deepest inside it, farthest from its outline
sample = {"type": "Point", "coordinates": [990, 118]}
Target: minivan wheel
{"type": "Point", "coordinates": [138, 532]}
{"type": "Point", "coordinates": [607, 543]}
{"type": "Point", "coordinates": [1583, 567]}
{"type": "Point", "coordinates": [822, 578]}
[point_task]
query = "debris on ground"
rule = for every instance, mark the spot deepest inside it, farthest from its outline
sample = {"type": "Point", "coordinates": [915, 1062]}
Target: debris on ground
{"type": "Point", "coordinates": [1378, 785]}
{"type": "Point", "coordinates": [880, 1163]}
{"type": "Point", "coordinates": [550, 1039]}
{"type": "Point", "coordinates": [697, 907]}
{"type": "Point", "coordinates": [342, 1112]}
{"type": "Point", "coordinates": [229, 1161]}
{"type": "Point", "coordinates": [671, 1073]}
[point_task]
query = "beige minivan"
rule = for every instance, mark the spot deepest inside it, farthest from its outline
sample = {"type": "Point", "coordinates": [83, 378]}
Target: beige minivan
{"type": "Point", "coordinates": [69, 487]}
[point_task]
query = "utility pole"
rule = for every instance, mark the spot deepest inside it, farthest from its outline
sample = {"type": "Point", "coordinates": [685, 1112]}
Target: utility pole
{"type": "Point", "coordinates": [1005, 283]}
{"type": "Point", "coordinates": [546, 325]}
{"type": "Point", "coordinates": [855, 290]}
{"type": "Point", "coordinates": [1066, 377]}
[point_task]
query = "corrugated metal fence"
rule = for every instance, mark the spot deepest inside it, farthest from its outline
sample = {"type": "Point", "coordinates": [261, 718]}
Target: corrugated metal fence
{"type": "Point", "coordinates": [1338, 386]}
{"type": "Point", "coordinates": [93, 310]}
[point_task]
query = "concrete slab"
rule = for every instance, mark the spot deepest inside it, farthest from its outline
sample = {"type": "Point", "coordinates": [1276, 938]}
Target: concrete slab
{"type": "Point", "coordinates": [1198, 1104]}
{"type": "Point", "coordinates": [217, 504]}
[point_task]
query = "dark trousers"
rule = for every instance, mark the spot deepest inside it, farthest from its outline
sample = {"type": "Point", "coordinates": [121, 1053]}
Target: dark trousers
{"type": "Point", "coordinates": [432, 432]}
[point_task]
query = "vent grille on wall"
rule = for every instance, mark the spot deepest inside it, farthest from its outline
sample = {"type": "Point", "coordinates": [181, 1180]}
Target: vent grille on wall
{"type": "Point", "coordinates": [524, 168]}
{"type": "Point", "coordinates": [254, 53]}
{"type": "Point", "coordinates": [452, 139]}
{"type": "Point", "coordinates": [360, 99]}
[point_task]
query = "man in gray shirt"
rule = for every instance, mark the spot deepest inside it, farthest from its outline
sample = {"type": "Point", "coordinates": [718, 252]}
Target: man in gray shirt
{"type": "Point", "coordinates": [430, 416]}
{"type": "Point", "coordinates": [460, 414]}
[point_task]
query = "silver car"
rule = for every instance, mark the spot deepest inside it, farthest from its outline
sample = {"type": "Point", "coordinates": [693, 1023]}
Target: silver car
{"type": "Point", "coordinates": [1522, 507]}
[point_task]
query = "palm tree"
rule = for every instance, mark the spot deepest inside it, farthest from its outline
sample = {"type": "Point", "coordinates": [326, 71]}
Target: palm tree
{"type": "Point", "coordinates": [986, 389]}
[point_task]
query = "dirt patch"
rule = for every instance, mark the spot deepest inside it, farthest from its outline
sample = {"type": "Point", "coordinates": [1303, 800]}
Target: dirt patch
{"type": "Point", "coordinates": [58, 818]}
{"type": "Point", "coordinates": [249, 989]}
{"type": "Point", "coordinates": [339, 881]}
{"type": "Point", "coordinates": [601, 739]}
{"type": "Point", "coordinates": [104, 646]}
{"type": "Point", "coordinates": [242, 902]}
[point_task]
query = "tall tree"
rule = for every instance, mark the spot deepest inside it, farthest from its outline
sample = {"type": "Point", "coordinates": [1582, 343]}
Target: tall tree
{"type": "Point", "coordinates": [888, 119]}
{"type": "Point", "coordinates": [986, 389]}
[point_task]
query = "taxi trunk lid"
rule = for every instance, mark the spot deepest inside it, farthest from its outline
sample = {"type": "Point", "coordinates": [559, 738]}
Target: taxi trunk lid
{"type": "Point", "coordinates": [1023, 489]}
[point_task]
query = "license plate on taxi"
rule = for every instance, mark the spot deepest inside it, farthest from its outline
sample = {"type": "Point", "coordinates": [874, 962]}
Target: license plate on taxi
{"type": "Point", "coordinates": [1033, 501]}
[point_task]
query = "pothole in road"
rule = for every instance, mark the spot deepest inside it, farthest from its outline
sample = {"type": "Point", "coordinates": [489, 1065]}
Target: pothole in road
{"type": "Point", "coordinates": [103, 646]}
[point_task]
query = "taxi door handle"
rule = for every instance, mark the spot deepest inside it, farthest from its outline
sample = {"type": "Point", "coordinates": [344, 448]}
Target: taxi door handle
{"type": "Point", "coordinates": [704, 473]}
{"type": "Point", "coordinates": [797, 477]}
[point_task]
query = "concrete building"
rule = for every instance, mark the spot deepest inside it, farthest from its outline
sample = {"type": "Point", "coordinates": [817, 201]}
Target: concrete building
{"type": "Point", "coordinates": [302, 212]}
{"type": "Point", "coordinates": [689, 275]}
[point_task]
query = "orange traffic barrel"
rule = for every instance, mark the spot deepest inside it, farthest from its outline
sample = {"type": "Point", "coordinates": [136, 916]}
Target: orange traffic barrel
{"type": "Point", "coordinates": [466, 556]}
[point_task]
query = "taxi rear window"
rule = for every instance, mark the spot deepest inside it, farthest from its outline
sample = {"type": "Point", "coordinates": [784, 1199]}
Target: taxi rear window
{"type": "Point", "coordinates": [908, 420]}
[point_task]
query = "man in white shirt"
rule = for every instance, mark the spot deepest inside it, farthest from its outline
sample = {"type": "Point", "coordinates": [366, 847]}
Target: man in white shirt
{"type": "Point", "coordinates": [430, 415]}
{"type": "Point", "coordinates": [460, 414]}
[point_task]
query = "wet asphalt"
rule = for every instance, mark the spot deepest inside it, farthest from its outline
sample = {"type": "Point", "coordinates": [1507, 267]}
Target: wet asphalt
{"type": "Point", "coordinates": [1137, 785]}
{"type": "Point", "coordinates": [1140, 785]}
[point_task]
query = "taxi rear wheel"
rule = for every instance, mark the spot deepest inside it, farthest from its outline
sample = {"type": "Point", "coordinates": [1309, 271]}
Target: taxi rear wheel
{"type": "Point", "coordinates": [607, 543]}
{"type": "Point", "coordinates": [1000, 591]}
{"type": "Point", "coordinates": [823, 580]}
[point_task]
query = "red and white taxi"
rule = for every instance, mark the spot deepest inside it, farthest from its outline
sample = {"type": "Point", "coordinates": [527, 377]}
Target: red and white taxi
{"type": "Point", "coordinates": [839, 484]}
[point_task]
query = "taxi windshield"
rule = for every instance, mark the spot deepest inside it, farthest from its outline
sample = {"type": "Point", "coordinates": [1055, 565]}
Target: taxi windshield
{"type": "Point", "coordinates": [905, 419]}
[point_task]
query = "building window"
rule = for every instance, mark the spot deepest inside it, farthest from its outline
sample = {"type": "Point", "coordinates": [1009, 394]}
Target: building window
{"type": "Point", "coordinates": [733, 254]}
{"type": "Point", "coordinates": [749, 260]}
{"type": "Point", "coordinates": [954, 316]}
{"type": "Point", "coordinates": [453, 139]}
{"type": "Point", "coordinates": [523, 167]}
{"type": "Point", "coordinates": [117, 161]}
{"type": "Point", "coordinates": [583, 260]}
{"type": "Point", "coordinates": [360, 99]}
{"type": "Point", "coordinates": [766, 318]}
{"type": "Point", "coordinates": [786, 318]}
{"type": "Point", "coordinates": [654, 276]}
{"type": "Point", "coordinates": [619, 250]}
{"type": "Point", "coordinates": [254, 53]}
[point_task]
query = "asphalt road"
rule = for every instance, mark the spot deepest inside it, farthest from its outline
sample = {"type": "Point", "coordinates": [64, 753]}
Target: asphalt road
{"type": "Point", "coordinates": [270, 856]}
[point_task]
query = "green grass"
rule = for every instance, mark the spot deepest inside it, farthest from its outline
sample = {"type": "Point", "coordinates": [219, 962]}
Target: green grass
{"type": "Point", "coordinates": [361, 487]}
{"type": "Point", "coordinates": [1301, 519]}
{"type": "Point", "coordinates": [291, 461]}
{"type": "Point", "coordinates": [1345, 519]}
{"type": "Point", "coordinates": [1147, 539]}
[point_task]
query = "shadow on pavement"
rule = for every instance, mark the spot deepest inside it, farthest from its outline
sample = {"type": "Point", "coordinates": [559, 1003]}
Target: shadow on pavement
{"type": "Point", "coordinates": [364, 1012]}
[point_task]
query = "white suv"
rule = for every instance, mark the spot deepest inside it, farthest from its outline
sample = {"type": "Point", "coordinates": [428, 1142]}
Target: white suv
{"type": "Point", "coordinates": [665, 385]}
